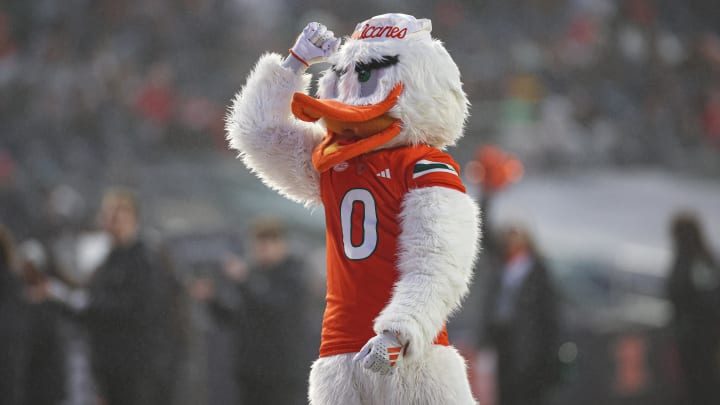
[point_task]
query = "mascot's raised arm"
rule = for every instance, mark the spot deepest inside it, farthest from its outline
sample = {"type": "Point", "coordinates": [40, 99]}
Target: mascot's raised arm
{"type": "Point", "coordinates": [402, 235]}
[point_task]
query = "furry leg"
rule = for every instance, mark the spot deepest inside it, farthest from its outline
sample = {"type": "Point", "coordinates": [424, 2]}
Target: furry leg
{"type": "Point", "coordinates": [332, 381]}
{"type": "Point", "coordinates": [438, 378]}
{"type": "Point", "coordinates": [443, 377]}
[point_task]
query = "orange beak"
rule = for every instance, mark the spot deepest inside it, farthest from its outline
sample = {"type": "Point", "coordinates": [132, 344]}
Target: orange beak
{"type": "Point", "coordinates": [311, 109]}
{"type": "Point", "coordinates": [369, 122]}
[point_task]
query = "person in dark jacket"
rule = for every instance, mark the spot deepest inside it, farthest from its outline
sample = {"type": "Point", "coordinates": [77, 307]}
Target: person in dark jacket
{"type": "Point", "coordinates": [693, 288]}
{"type": "Point", "coordinates": [13, 328]}
{"type": "Point", "coordinates": [45, 382]}
{"type": "Point", "coordinates": [31, 353]}
{"type": "Point", "coordinates": [131, 314]}
{"type": "Point", "coordinates": [269, 316]}
{"type": "Point", "coordinates": [520, 320]}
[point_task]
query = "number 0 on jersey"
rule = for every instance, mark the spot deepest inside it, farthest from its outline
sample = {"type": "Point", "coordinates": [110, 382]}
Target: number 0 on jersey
{"type": "Point", "coordinates": [367, 246]}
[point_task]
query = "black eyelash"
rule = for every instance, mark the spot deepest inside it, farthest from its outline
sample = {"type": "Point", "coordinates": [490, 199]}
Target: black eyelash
{"type": "Point", "coordinates": [385, 61]}
{"type": "Point", "coordinates": [338, 72]}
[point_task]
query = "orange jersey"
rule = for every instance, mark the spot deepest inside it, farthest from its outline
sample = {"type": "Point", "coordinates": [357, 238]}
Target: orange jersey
{"type": "Point", "coordinates": [362, 199]}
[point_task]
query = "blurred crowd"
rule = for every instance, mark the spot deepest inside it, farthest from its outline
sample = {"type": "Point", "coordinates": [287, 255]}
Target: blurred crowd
{"type": "Point", "coordinates": [239, 324]}
{"type": "Point", "coordinates": [104, 87]}
{"type": "Point", "coordinates": [591, 83]}
{"type": "Point", "coordinates": [95, 86]}
{"type": "Point", "coordinates": [149, 328]}
{"type": "Point", "coordinates": [95, 92]}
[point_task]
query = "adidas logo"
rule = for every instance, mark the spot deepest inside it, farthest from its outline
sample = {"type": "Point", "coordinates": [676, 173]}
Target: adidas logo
{"type": "Point", "coordinates": [384, 174]}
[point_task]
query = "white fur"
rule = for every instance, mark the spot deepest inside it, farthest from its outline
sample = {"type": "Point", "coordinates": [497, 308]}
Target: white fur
{"type": "Point", "coordinates": [438, 243]}
{"type": "Point", "coordinates": [272, 143]}
{"type": "Point", "coordinates": [439, 378]}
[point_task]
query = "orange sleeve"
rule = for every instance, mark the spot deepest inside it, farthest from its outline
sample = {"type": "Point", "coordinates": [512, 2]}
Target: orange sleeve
{"type": "Point", "coordinates": [434, 168]}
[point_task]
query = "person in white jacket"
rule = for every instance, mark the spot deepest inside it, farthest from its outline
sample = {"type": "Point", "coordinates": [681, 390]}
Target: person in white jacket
{"type": "Point", "coordinates": [402, 234]}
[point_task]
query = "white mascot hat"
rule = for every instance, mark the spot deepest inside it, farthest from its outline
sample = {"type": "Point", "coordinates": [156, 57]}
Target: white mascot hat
{"type": "Point", "coordinates": [392, 26]}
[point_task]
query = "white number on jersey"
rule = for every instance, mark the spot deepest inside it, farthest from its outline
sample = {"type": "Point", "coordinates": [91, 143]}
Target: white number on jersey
{"type": "Point", "coordinates": [369, 226]}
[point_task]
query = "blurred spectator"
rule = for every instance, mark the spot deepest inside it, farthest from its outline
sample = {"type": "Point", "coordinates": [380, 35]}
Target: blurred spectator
{"type": "Point", "coordinates": [31, 355]}
{"type": "Point", "coordinates": [273, 337]}
{"type": "Point", "coordinates": [46, 376]}
{"type": "Point", "coordinates": [520, 319]}
{"type": "Point", "coordinates": [7, 45]}
{"type": "Point", "coordinates": [14, 211]}
{"type": "Point", "coordinates": [13, 313]}
{"type": "Point", "coordinates": [33, 263]}
{"type": "Point", "coordinates": [694, 291]}
{"type": "Point", "coordinates": [155, 103]}
{"type": "Point", "coordinates": [133, 313]}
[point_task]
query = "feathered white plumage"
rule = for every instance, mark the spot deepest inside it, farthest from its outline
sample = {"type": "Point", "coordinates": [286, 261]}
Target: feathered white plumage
{"type": "Point", "coordinates": [272, 143]}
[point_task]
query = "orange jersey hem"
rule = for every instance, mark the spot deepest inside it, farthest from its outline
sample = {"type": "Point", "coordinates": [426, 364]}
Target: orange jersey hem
{"type": "Point", "coordinates": [441, 340]}
{"type": "Point", "coordinates": [356, 348]}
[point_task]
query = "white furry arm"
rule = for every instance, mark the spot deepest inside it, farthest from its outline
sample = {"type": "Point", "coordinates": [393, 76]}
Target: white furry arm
{"type": "Point", "coordinates": [272, 143]}
{"type": "Point", "coordinates": [438, 244]}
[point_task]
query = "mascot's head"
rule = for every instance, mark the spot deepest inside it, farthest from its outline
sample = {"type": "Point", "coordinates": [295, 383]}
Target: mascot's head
{"type": "Point", "coordinates": [391, 84]}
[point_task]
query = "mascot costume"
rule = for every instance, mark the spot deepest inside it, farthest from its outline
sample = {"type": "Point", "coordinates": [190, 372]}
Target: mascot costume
{"type": "Point", "coordinates": [401, 233]}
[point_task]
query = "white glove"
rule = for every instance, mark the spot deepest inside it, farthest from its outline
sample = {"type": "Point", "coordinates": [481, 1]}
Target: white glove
{"type": "Point", "coordinates": [381, 353]}
{"type": "Point", "coordinates": [315, 44]}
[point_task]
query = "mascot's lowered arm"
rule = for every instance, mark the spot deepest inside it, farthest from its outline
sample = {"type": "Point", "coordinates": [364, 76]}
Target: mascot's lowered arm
{"type": "Point", "coordinates": [438, 245]}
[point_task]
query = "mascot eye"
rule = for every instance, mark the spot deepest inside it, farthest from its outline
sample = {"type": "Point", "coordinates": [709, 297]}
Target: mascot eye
{"type": "Point", "coordinates": [364, 75]}
{"type": "Point", "coordinates": [369, 73]}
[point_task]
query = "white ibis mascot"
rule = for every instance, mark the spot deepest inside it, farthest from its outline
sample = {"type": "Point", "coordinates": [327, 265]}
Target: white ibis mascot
{"type": "Point", "coordinates": [402, 234]}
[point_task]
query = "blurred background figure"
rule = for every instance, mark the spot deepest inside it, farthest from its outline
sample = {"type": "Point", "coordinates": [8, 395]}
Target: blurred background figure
{"type": "Point", "coordinates": [519, 314]}
{"type": "Point", "coordinates": [275, 294]}
{"type": "Point", "coordinates": [132, 314]}
{"type": "Point", "coordinates": [269, 313]}
{"type": "Point", "coordinates": [693, 287]}
{"type": "Point", "coordinates": [31, 352]}
{"type": "Point", "coordinates": [13, 317]}
{"type": "Point", "coordinates": [46, 366]}
{"type": "Point", "coordinates": [520, 320]}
